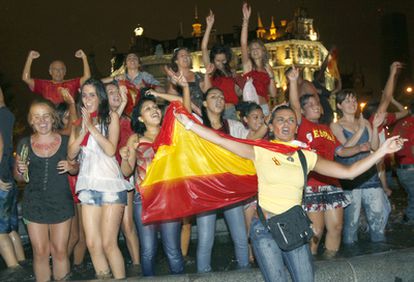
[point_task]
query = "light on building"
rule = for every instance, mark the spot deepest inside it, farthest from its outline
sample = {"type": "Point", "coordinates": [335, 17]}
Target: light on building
{"type": "Point", "coordinates": [362, 106]}
{"type": "Point", "coordinates": [405, 108]}
{"type": "Point", "coordinates": [139, 30]}
{"type": "Point", "coordinates": [409, 89]}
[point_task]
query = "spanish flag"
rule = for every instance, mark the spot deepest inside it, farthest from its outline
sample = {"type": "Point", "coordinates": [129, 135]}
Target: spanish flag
{"type": "Point", "coordinates": [190, 175]}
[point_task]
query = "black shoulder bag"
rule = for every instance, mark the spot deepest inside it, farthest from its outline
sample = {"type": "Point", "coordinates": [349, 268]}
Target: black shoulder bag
{"type": "Point", "coordinates": [292, 228]}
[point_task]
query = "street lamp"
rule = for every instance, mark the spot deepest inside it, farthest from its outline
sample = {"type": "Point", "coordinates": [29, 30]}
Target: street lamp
{"type": "Point", "coordinates": [139, 30]}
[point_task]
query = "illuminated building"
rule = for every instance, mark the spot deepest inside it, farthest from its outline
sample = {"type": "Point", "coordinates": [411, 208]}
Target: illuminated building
{"type": "Point", "coordinates": [295, 42]}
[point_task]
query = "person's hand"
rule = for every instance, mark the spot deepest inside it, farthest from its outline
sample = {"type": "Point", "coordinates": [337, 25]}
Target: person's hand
{"type": "Point", "coordinates": [392, 144]}
{"type": "Point", "coordinates": [365, 147]}
{"type": "Point", "coordinates": [388, 191]}
{"type": "Point", "coordinates": [171, 74]}
{"type": "Point", "coordinates": [124, 153]}
{"type": "Point", "coordinates": [151, 92]}
{"type": "Point", "coordinates": [80, 54]}
{"type": "Point", "coordinates": [210, 68]}
{"type": "Point", "coordinates": [64, 166]}
{"type": "Point", "coordinates": [86, 120]}
{"type": "Point", "coordinates": [378, 119]}
{"type": "Point", "coordinates": [293, 74]}
{"type": "Point", "coordinates": [396, 67]}
{"type": "Point", "coordinates": [33, 54]}
{"type": "Point", "coordinates": [246, 11]}
{"type": "Point", "coordinates": [22, 167]}
{"type": "Point", "coordinates": [210, 19]}
{"type": "Point", "coordinates": [182, 118]}
{"type": "Point", "coordinates": [5, 186]}
{"type": "Point", "coordinates": [66, 95]}
{"type": "Point", "coordinates": [181, 80]}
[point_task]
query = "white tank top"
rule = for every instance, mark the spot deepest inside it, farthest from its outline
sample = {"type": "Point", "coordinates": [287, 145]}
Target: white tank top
{"type": "Point", "coordinates": [98, 171]}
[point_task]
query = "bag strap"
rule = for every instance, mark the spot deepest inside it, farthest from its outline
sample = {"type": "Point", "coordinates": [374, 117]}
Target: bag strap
{"type": "Point", "coordinates": [304, 165]}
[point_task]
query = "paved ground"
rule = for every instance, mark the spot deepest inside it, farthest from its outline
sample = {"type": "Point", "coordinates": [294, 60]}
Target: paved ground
{"type": "Point", "coordinates": [399, 236]}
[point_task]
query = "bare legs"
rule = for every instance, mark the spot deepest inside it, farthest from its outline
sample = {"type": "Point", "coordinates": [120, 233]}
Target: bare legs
{"type": "Point", "coordinates": [55, 244]}
{"type": "Point", "coordinates": [11, 249]}
{"type": "Point", "coordinates": [101, 229]}
{"type": "Point", "coordinates": [77, 243]}
{"type": "Point", "coordinates": [333, 219]}
{"type": "Point", "coordinates": [249, 213]}
{"type": "Point", "coordinates": [129, 230]}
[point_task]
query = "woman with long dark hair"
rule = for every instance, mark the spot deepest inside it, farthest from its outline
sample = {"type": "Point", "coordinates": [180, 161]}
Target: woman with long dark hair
{"type": "Point", "coordinates": [256, 65]}
{"type": "Point", "coordinates": [223, 76]}
{"type": "Point", "coordinates": [101, 187]}
{"type": "Point", "coordinates": [136, 157]}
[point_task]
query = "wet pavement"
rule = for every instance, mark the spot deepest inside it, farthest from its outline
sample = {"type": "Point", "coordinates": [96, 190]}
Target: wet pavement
{"type": "Point", "coordinates": [399, 236]}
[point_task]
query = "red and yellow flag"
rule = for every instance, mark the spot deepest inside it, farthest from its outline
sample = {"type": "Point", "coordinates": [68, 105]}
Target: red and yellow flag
{"type": "Point", "coordinates": [190, 175]}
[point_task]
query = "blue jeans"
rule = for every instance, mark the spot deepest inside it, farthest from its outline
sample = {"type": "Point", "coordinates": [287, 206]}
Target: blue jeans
{"type": "Point", "coordinates": [8, 210]}
{"type": "Point", "coordinates": [170, 235]}
{"type": "Point", "coordinates": [377, 209]}
{"type": "Point", "coordinates": [271, 258]}
{"type": "Point", "coordinates": [406, 178]}
{"type": "Point", "coordinates": [206, 227]}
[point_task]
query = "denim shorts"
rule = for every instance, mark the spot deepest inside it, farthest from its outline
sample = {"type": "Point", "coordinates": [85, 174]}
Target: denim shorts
{"type": "Point", "coordinates": [8, 211]}
{"type": "Point", "coordinates": [96, 198]}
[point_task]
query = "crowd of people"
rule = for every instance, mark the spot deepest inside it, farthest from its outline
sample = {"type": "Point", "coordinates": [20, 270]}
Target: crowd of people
{"type": "Point", "coordinates": [92, 143]}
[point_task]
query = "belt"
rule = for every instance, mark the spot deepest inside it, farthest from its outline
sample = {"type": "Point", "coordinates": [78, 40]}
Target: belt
{"type": "Point", "coordinates": [406, 166]}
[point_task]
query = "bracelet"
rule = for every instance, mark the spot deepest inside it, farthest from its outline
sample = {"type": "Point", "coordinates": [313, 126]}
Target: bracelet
{"type": "Point", "coordinates": [189, 125]}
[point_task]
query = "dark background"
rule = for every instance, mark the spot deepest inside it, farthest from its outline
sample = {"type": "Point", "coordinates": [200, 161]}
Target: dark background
{"type": "Point", "coordinates": [58, 28]}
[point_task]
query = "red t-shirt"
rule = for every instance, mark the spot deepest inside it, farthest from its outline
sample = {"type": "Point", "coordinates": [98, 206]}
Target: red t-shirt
{"type": "Point", "coordinates": [133, 95]}
{"type": "Point", "coordinates": [49, 89]}
{"type": "Point", "coordinates": [124, 134]}
{"type": "Point", "coordinates": [261, 82]}
{"type": "Point", "coordinates": [405, 128]}
{"type": "Point", "coordinates": [321, 140]}
{"type": "Point", "coordinates": [226, 84]}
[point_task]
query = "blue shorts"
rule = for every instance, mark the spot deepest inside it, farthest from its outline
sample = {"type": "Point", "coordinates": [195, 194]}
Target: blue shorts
{"type": "Point", "coordinates": [8, 211]}
{"type": "Point", "coordinates": [96, 198]}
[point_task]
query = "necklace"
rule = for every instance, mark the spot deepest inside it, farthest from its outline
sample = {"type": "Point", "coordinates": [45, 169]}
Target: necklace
{"type": "Point", "coordinates": [46, 146]}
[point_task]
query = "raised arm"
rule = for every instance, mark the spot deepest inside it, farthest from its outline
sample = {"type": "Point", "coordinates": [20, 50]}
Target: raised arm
{"type": "Point", "coordinates": [86, 70]}
{"type": "Point", "coordinates": [389, 87]}
{"type": "Point", "coordinates": [244, 38]}
{"type": "Point", "coordinates": [124, 99]}
{"type": "Point", "coordinates": [240, 149]}
{"type": "Point", "coordinates": [272, 86]}
{"type": "Point", "coordinates": [374, 136]}
{"type": "Point", "coordinates": [26, 76]}
{"type": "Point", "coordinates": [204, 42]}
{"type": "Point", "coordinates": [72, 110]}
{"type": "Point", "coordinates": [294, 102]}
{"type": "Point", "coordinates": [129, 156]}
{"type": "Point", "coordinates": [337, 170]}
{"type": "Point", "coordinates": [180, 80]}
{"type": "Point", "coordinates": [401, 111]}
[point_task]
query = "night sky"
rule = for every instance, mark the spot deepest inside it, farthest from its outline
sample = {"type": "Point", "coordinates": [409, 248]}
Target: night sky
{"type": "Point", "coordinates": [58, 28]}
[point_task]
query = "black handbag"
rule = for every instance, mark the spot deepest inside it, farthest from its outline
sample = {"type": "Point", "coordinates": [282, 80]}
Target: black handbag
{"type": "Point", "coordinates": [292, 228]}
